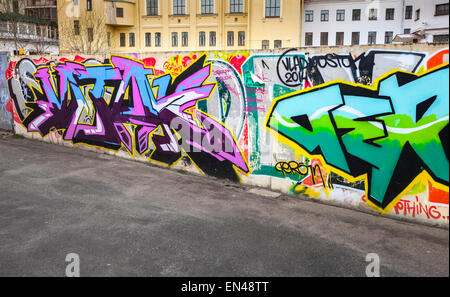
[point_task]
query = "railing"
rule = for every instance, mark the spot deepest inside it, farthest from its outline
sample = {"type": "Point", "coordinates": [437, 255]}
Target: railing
{"type": "Point", "coordinates": [26, 31]}
{"type": "Point", "coordinates": [36, 3]}
{"type": "Point", "coordinates": [46, 13]}
{"type": "Point", "coordinates": [112, 18]}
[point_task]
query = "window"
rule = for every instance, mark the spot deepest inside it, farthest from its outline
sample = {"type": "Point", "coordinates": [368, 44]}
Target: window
{"type": "Point", "coordinates": [230, 38]}
{"type": "Point", "coordinates": [76, 27]}
{"type": "Point", "coordinates": [88, 5]}
{"type": "Point", "coordinates": [90, 32]}
{"type": "Point", "coordinates": [15, 6]}
{"type": "Point", "coordinates": [323, 38]}
{"type": "Point", "coordinates": [390, 14]}
{"type": "Point", "coordinates": [356, 15]}
{"type": "Point", "coordinates": [179, 7]}
{"type": "Point", "coordinates": [340, 15]}
{"type": "Point", "coordinates": [212, 38]}
{"type": "Point", "coordinates": [324, 15]}
{"type": "Point", "coordinates": [308, 38]}
{"type": "Point", "coordinates": [373, 14]}
{"type": "Point", "coordinates": [372, 37]}
{"type": "Point", "coordinates": [407, 31]}
{"type": "Point", "coordinates": [417, 15]}
{"type": "Point", "coordinates": [108, 38]}
{"type": "Point", "coordinates": [241, 38]}
{"type": "Point", "coordinates": [54, 34]}
{"type": "Point", "coordinates": [339, 38]}
{"type": "Point", "coordinates": [131, 40]}
{"type": "Point", "coordinates": [441, 9]}
{"type": "Point", "coordinates": [408, 12]}
{"type": "Point", "coordinates": [355, 38]}
{"type": "Point", "coordinates": [201, 38]}
{"type": "Point", "coordinates": [236, 6]}
{"type": "Point", "coordinates": [265, 44]}
{"type": "Point", "coordinates": [174, 39]}
{"type": "Point", "coordinates": [119, 12]}
{"type": "Point", "coordinates": [148, 39]}
{"type": "Point", "coordinates": [122, 39]}
{"type": "Point", "coordinates": [184, 39]}
{"type": "Point", "coordinates": [278, 44]}
{"type": "Point", "coordinates": [309, 16]}
{"type": "Point", "coordinates": [152, 7]}
{"type": "Point", "coordinates": [273, 8]}
{"type": "Point", "coordinates": [207, 6]}
{"type": "Point", "coordinates": [4, 27]}
{"type": "Point", "coordinates": [388, 36]}
{"type": "Point", "coordinates": [157, 39]}
{"type": "Point", "coordinates": [23, 28]}
{"type": "Point", "coordinates": [440, 38]}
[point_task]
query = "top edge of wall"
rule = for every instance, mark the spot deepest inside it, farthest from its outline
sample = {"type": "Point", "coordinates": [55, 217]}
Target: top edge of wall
{"type": "Point", "coordinates": [322, 49]}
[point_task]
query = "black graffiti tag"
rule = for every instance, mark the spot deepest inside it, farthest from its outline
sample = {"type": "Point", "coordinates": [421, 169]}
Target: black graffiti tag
{"type": "Point", "coordinates": [291, 68]}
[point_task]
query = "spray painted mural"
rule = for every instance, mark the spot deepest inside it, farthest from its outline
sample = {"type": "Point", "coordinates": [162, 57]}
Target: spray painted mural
{"type": "Point", "coordinates": [368, 129]}
{"type": "Point", "coordinates": [374, 132]}
{"type": "Point", "coordinates": [5, 112]}
{"type": "Point", "coordinates": [120, 103]}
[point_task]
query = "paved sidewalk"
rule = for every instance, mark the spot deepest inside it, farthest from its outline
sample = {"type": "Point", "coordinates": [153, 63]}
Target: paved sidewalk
{"type": "Point", "coordinates": [125, 218]}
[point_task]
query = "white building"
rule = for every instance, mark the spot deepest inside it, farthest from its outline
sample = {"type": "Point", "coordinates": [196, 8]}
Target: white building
{"type": "Point", "coordinates": [28, 27]}
{"type": "Point", "coordinates": [31, 38]}
{"type": "Point", "coordinates": [430, 19]}
{"type": "Point", "coordinates": [330, 23]}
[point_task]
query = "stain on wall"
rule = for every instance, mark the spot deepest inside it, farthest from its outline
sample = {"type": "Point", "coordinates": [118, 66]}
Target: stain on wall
{"type": "Point", "coordinates": [367, 129]}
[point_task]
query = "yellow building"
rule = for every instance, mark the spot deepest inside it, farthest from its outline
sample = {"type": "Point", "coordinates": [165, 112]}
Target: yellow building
{"type": "Point", "coordinates": [139, 26]}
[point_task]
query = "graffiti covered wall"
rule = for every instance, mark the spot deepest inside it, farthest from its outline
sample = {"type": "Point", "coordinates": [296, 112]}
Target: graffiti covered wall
{"type": "Point", "coordinates": [5, 110]}
{"type": "Point", "coordinates": [366, 128]}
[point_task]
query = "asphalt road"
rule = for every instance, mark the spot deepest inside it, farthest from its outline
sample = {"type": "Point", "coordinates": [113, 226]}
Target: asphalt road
{"type": "Point", "coordinates": [124, 218]}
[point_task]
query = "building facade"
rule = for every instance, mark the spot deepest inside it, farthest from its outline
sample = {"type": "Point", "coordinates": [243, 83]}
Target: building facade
{"type": "Point", "coordinates": [139, 26]}
{"type": "Point", "coordinates": [28, 27]}
{"type": "Point", "coordinates": [42, 9]}
{"type": "Point", "coordinates": [430, 19]}
{"type": "Point", "coordinates": [344, 23]}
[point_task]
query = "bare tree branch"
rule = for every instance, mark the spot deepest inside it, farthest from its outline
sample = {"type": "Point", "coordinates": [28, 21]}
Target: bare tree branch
{"type": "Point", "coordinates": [83, 32]}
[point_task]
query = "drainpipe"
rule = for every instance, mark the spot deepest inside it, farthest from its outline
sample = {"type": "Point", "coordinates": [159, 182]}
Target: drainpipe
{"type": "Point", "coordinates": [139, 29]}
{"type": "Point", "coordinates": [222, 20]}
{"type": "Point", "coordinates": [249, 25]}
{"type": "Point", "coordinates": [301, 21]}
{"type": "Point", "coordinates": [402, 24]}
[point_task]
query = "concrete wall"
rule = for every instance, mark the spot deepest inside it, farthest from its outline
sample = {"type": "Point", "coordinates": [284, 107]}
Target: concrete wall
{"type": "Point", "coordinates": [5, 113]}
{"type": "Point", "coordinates": [361, 127]}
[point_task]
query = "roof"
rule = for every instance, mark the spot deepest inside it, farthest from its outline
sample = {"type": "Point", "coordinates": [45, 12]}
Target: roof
{"type": "Point", "coordinates": [407, 37]}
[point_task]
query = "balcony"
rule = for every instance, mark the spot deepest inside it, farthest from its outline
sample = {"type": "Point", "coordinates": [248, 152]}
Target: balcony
{"type": "Point", "coordinates": [40, 3]}
{"type": "Point", "coordinates": [27, 32]}
{"type": "Point", "coordinates": [120, 13]}
{"type": "Point", "coordinates": [43, 13]}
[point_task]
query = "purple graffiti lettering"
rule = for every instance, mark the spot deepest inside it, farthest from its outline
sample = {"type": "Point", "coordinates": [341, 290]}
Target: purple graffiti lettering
{"type": "Point", "coordinates": [113, 105]}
